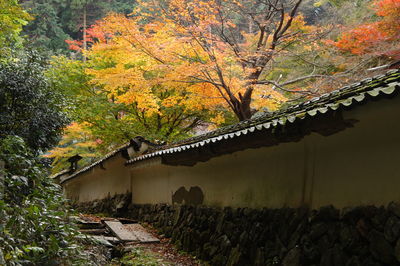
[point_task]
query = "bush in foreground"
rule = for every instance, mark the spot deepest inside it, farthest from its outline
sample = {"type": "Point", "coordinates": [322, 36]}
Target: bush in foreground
{"type": "Point", "coordinates": [34, 221]}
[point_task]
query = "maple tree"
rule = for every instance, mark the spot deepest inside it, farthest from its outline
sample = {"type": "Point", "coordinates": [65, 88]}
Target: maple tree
{"type": "Point", "coordinates": [223, 51]}
{"type": "Point", "coordinates": [233, 45]}
{"type": "Point", "coordinates": [380, 37]}
{"type": "Point", "coordinates": [114, 114]}
{"type": "Point", "coordinates": [141, 80]}
{"type": "Point", "coordinates": [77, 139]}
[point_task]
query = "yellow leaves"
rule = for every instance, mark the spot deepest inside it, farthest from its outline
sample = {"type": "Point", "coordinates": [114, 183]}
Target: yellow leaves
{"type": "Point", "coordinates": [172, 101]}
{"type": "Point", "coordinates": [143, 57]}
{"type": "Point", "coordinates": [267, 98]}
{"type": "Point", "coordinates": [75, 131]}
{"type": "Point", "coordinates": [180, 52]}
{"type": "Point", "coordinates": [218, 119]}
{"type": "Point", "coordinates": [299, 25]}
{"type": "Point", "coordinates": [144, 101]}
{"type": "Point", "coordinates": [76, 139]}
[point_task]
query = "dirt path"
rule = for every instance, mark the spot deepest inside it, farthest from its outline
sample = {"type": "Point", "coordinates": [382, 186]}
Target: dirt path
{"type": "Point", "coordinates": [148, 254]}
{"type": "Point", "coordinates": [156, 254]}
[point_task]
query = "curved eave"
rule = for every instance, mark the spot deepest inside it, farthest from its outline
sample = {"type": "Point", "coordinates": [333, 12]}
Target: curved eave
{"type": "Point", "coordinates": [91, 166]}
{"type": "Point", "coordinates": [310, 108]}
{"type": "Point", "coordinates": [345, 97]}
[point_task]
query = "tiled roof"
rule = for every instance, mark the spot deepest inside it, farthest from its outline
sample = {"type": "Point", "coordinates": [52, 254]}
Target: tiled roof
{"type": "Point", "coordinates": [90, 166]}
{"type": "Point", "coordinates": [344, 97]}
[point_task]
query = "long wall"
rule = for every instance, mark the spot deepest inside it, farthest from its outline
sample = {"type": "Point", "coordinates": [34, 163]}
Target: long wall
{"type": "Point", "coordinates": [357, 166]}
{"type": "Point", "coordinates": [100, 182]}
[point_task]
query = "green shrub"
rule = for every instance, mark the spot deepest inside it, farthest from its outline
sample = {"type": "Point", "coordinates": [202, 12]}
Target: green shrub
{"type": "Point", "coordinates": [34, 221]}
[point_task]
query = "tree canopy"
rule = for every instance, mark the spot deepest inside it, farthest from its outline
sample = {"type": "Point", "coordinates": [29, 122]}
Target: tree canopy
{"type": "Point", "coordinates": [56, 21]}
{"type": "Point", "coordinates": [380, 37]}
{"type": "Point", "coordinates": [29, 106]}
{"type": "Point", "coordinates": [12, 19]}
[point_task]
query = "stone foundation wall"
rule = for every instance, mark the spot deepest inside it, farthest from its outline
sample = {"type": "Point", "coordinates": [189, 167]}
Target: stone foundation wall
{"type": "Point", "coordinates": [365, 235]}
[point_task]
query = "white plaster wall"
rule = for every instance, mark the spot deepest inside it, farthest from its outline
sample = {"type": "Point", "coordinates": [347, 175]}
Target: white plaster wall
{"type": "Point", "coordinates": [360, 165]}
{"type": "Point", "coordinates": [249, 178]}
{"type": "Point", "coordinates": [99, 183]}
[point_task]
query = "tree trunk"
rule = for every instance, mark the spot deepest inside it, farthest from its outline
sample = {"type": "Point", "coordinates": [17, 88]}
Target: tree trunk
{"type": "Point", "coordinates": [1, 191]}
{"type": "Point", "coordinates": [84, 33]}
{"type": "Point", "coordinates": [241, 106]}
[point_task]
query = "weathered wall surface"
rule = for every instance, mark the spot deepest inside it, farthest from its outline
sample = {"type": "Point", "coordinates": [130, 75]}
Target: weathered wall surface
{"type": "Point", "coordinates": [357, 166]}
{"type": "Point", "coordinates": [100, 182]}
{"type": "Point", "coordinates": [353, 167]}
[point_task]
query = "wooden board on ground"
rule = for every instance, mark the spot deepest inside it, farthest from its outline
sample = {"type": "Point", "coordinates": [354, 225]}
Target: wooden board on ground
{"type": "Point", "coordinates": [105, 240]}
{"type": "Point", "coordinates": [93, 231]}
{"type": "Point", "coordinates": [86, 224]}
{"type": "Point", "coordinates": [112, 239]}
{"type": "Point", "coordinates": [141, 233]}
{"type": "Point", "coordinates": [119, 230]}
{"type": "Point", "coordinates": [127, 221]}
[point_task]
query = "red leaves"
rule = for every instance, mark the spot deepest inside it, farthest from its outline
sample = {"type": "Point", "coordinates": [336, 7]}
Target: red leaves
{"type": "Point", "coordinates": [74, 45]}
{"type": "Point", "coordinates": [366, 38]}
{"type": "Point", "coordinates": [93, 34]}
{"type": "Point", "coordinates": [385, 8]}
{"type": "Point", "coordinates": [361, 39]}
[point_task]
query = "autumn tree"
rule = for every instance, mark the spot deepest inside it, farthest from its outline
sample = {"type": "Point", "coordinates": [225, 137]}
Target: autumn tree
{"type": "Point", "coordinates": [77, 139]}
{"type": "Point", "coordinates": [140, 80]}
{"type": "Point", "coordinates": [102, 96]}
{"type": "Point", "coordinates": [238, 40]}
{"type": "Point", "coordinates": [380, 37]}
{"type": "Point", "coordinates": [364, 42]}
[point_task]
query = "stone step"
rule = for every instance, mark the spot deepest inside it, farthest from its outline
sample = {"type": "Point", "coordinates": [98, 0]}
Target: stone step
{"type": "Point", "coordinates": [119, 230]}
{"type": "Point", "coordinates": [141, 233]}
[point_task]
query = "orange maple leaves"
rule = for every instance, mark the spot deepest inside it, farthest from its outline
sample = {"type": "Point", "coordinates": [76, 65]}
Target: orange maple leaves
{"type": "Point", "coordinates": [365, 38]}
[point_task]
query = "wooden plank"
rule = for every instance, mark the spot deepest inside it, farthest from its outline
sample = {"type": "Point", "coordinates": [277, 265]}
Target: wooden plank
{"type": "Point", "coordinates": [105, 240]}
{"type": "Point", "coordinates": [91, 225]}
{"type": "Point", "coordinates": [93, 231]}
{"type": "Point", "coordinates": [141, 233]}
{"type": "Point", "coordinates": [85, 224]}
{"type": "Point", "coordinates": [111, 239]}
{"type": "Point", "coordinates": [127, 221]}
{"type": "Point", "coordinates": [119, 230]}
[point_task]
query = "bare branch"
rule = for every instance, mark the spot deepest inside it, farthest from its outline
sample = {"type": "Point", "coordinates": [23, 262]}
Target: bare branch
{"type": "Point", "coordinates": [279, 86]}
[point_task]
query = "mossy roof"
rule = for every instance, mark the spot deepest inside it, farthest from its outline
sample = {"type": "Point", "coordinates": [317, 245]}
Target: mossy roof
{"type": "Point", "coordinates": [345, 97]}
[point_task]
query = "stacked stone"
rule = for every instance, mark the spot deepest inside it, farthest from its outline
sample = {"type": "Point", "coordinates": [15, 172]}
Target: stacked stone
{"type": "Point", "coordinates": [364, 235]}
{"type": "Point", "coordinates": [116, 205]}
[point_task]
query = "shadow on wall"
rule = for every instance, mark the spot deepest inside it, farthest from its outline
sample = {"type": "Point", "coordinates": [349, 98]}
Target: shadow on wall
{"type": "Point", "coordinates": [194, 196]}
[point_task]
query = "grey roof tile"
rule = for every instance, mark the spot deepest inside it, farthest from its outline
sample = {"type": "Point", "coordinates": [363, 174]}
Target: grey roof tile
{"type": "Point", "coordinates": [346, 96]}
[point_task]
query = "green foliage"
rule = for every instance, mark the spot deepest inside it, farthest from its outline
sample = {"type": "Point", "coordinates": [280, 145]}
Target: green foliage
{"type": "Point", "coordinates": [141, 257]}
{"type": "Point", "coordinates": [12, 18]}
{"type": "Point", "coordinates": [34, 224]}
{"type": "Point", "coordinates": [29, 106]}
{"type": "Point", "coordinates": [46, 29]}
{"type": "Point", "coordinates": [59, 20]}
{"type": "Point", "coordinates": [110, 121]}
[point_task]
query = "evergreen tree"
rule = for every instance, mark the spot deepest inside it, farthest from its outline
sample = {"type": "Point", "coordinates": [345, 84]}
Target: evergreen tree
{"type": "Point", "coordinates": [47, 30]}
{"type": "Point", "coordinates": [59, 20]}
